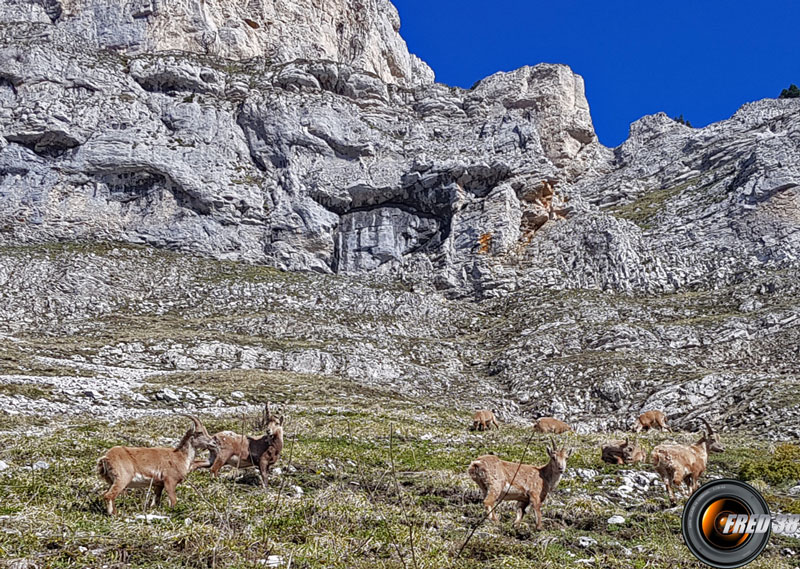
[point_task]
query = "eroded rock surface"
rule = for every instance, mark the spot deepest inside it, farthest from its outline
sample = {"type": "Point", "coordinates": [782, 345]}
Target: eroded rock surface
{"type": "Point", "coordinates": [484, 243]}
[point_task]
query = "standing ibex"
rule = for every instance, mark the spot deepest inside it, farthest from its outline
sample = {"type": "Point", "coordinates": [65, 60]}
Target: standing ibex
{"type": "Point", "coordinates": [159, 468]}
{"type": "Point", "coordinates": [526, 484]}
{"type": "Point", "coordinates": [681, 464]}
{"type": "Point", "coordinates": [551, 425]}
{"type": "Point", "coordinates": [651, 420]}
{"type": "Point", "coordinates": [622, 452]}
{"type": "Point", "coordinates": [241, 451]}
{"type": "Point", "coordinates": [483, 420]}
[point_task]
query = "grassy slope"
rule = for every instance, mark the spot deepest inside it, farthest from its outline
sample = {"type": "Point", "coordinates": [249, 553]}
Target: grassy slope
{"type": "Point", "coordinates": [384, 486]}
{"type": "Point", "coordinates": [354, 511]}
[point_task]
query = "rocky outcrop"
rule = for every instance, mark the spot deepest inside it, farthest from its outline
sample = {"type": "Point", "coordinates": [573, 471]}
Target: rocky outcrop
{"type": "Point", "coordinates": [302, 135]}
{"type": "Point", "coordinates": [363, 33]}
{"type": "Point", "coordinates": [174, 124]}
{"type": "Point", "coordinates": [311, 165]}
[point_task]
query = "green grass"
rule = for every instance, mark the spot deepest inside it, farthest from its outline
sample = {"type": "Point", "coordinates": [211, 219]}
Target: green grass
{"type": "Point", "coordinates": [384, 485]}
{"type": "Point", "coordinates": [31, 391]}
{"type": "Point", "coordinates": [643, 210]}
{"type": "Point", "coordinates": [780, 467]}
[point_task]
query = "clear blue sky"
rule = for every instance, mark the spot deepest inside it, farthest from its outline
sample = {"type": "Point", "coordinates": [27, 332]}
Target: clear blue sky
{"type": "Point", "coordinates": [701, 58]}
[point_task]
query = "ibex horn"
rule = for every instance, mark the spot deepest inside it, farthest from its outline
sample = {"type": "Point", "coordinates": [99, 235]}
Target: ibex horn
{"type": "Point", "coordinates": [708, 426]}
{"type": "Point", "coordinates": [198, 426]}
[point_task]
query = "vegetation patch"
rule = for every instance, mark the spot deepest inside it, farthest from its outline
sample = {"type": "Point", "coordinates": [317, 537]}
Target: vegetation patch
{"type": "Point", "coordinates": [643, 210]}
{"type": "Point", "coordinates": [367, 479]}
{"type": "Point", "coordinates": [782, 466]}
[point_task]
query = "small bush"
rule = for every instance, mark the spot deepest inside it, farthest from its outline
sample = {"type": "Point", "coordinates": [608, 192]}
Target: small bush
{"type": "Point", "coordinates": [793, 92]}
{"type": "Point", "coordinates": [782, 466]}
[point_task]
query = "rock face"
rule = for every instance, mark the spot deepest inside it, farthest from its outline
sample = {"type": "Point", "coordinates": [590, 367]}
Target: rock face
{"type": "Point", "coordinates": [306, 150]}
{"type": "Point", "coordinates": [362, 33]}
{"type": "Point", "coordinates": [303, 136]}
{"type": "Point", "coordinates": [311, 165]}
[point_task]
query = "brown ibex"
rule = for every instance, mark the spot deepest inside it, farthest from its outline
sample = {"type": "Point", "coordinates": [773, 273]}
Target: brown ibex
{"type": "Point", "coordinates": [157, 468]}
{"type": "Point", "coordinates": [526, 484]}
{"type": "Point", "coordinates": [682, 464]}
{"type": "Point", "coordinates": [241, 451]}
{"type": "Point", "coordinates": [623, 452]}
{"type": "Point", "coordinates": [651, 420]}
{"type": "Point", "coordinates": [483, 420]}
{"type": "Point", "coordinates": [551, 425]}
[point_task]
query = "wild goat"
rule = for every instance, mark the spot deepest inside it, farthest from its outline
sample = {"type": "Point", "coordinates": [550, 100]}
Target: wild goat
{"type": "Point", "coordinates": [241, 451]}
{"type": "Point", "coordinates": [651, 420]}
{"type": "Point", "coordinates": [159, 468]}
{"type": "Point", "coordinates": [623, 452]}
{"type": "Point", "coordinates": [551, 425]}
{"type": "Point", "coordinates": [501, 480]}
{"type": "Point", "coordinates": [681, 464]}
{"type": "Point", "coordinates": [483, 420]}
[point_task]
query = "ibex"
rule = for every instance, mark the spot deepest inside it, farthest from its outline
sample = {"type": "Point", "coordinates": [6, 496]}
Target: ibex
{"type": "Point", "coordinates": [501, 480]}
{"type": "Point", "coordinates": [159, 468]}
{"type": "Point", "coordinates": [241, 451]}
{"type": "Point", "coordinates": [623, 452]}
{"type": "Point", "coordinates": [651, 420]}
{"type": "Point", "coordinates": [551, 425]}
{"type": "Point", "coordinates": [681, 464]}
{"type": "Point", "coordinates": [483, 420]}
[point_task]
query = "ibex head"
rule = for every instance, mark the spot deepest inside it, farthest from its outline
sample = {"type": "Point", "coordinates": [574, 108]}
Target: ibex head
{"type": "Point", "coordinates": [271, 423]}
{"type": "Point", "coordinates": [558, 455]}
{"type": "Point", "coordinates": [198, 435]}
{"type": "Point", "coordinates": [712, 438]}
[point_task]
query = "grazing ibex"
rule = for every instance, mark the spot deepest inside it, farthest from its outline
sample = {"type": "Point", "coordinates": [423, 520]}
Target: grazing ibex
{"type": "Point", "coordinates": [526, 484]}
{"type": "Point", "coordinates": [681, 464]}
{"type": "Point", "coordinates": [483, 420]}
{"type": "Point", "coordinates": [651, 420]}
{"type": "Point", "coordinates": [159, 468]}
{"type": "Point", "coordinates": [551, 425]}
{"type": "Point", "coordinates": [241, 451]}
{"type": "Point", "coordinates": [623, 452]}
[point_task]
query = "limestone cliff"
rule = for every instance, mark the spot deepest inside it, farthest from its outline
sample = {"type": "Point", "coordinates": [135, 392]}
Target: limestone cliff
{"type": "Point", "coordinates": [361, 33]}
{"type": "Point", "coordinates": [302, 135]}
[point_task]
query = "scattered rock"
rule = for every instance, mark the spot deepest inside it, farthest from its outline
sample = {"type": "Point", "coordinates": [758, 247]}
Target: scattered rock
{"type": "Point", "coordinates": [616, 520]}
{"type": "Point", "coordinates": [149, 517]}
{"type": "Point", "coordinates": [168, 395]}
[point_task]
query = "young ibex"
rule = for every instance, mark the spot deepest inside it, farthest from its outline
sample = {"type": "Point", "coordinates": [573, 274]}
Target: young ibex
{"type": "Point", "coordinates": [159, 468]}
{"type": "Point", "coordinates": [241, 451]}
{"type": "Point", "coordinates": [501, 480]}
{"type": "Point", "coordinates": [551, 425]}
{"type": "Point", "coordinates": [483, 420]}
{"type": "Point", "coordinates": [623, 452]}
{"type": "Point", "coordinates": [681, 464]}
{"type": "Point", "coordinates": [651, 420]}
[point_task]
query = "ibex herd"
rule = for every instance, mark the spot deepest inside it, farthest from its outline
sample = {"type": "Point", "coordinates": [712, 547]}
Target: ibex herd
{"type": "Point", "coordinates": [500, 480]}
{"type": "Point", "coordinates": [160, 469]}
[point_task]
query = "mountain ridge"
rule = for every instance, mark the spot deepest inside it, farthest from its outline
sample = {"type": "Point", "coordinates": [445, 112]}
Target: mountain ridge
{"type": "Point", "coordinates": [601, 281]}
